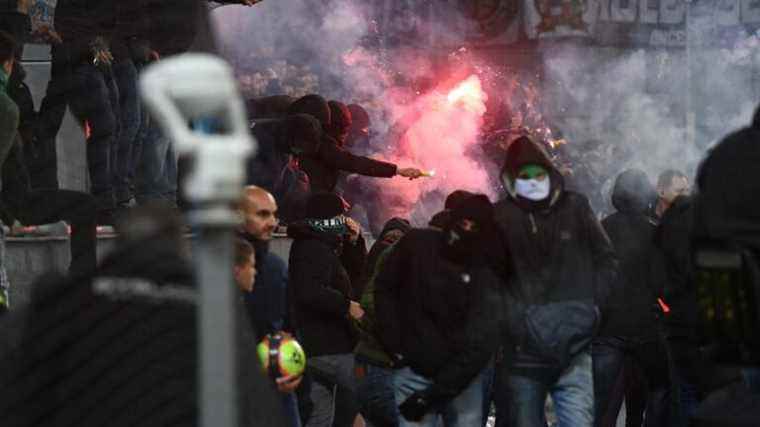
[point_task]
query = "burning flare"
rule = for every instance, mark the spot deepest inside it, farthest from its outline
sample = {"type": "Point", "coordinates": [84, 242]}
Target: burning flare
{"type": "Point", "coordinates": [469, 94]}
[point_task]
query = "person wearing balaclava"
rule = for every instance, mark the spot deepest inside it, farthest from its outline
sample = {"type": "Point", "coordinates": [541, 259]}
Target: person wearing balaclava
{"type": "Point", "coordinates": [564, 267]}
{"type": "Point", "coordinates": [438, 304]}
{"type": "Point", "coordinates": [628, 354]}
{"type": "Point", "coordinates": [320, 292]}
{"type": "Point", "coordinates": [325, 166]}
{"type": "Point", "coordinates": [453, 200]}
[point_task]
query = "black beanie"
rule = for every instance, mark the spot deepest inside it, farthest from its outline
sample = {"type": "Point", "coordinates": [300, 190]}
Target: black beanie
{"type": "Point", "coordinates": [756, 119]}
{"type": "Point", "coordinates": [456, 198]}
{"type": "Point", "coordinates": [324, 205]}
{"type": "Point", "coordinates": [313, 105]}
{"type": "Point", "coordinates": [477, 208]}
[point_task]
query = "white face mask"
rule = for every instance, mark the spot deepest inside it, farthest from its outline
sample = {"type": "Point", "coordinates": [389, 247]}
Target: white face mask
{"type": "Point", "coordinates": [533, 189]}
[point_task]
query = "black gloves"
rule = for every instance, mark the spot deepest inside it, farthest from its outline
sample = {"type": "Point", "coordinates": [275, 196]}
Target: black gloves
{"type": "Point", "coordinates": [416, 406]}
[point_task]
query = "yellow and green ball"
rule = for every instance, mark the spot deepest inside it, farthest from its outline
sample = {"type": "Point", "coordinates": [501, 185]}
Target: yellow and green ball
{"type": "Point", "coordinates": [281, 355]}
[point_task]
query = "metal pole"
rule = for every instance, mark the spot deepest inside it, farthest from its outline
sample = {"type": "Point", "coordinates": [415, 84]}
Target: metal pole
{"type": "Point", "coordinates": [217, 319]}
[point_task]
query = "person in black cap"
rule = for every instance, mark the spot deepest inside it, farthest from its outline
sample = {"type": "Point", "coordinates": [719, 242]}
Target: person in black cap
{"type": "Point", "coordinates": [437, 304]}
{"type": "Point", "coordinates": [320, 294]}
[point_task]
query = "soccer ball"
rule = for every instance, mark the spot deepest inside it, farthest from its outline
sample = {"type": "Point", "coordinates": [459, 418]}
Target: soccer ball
{"type": "Point", "coordinates": [281, 355]}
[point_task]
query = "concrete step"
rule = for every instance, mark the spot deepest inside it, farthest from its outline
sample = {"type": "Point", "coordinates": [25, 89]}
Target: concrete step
{"type": "Point", "coordinates": [27, 258]}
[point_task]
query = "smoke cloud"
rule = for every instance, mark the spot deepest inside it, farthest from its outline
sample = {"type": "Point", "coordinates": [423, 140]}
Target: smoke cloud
{"type": "Point", "coordinates": [615, 108]}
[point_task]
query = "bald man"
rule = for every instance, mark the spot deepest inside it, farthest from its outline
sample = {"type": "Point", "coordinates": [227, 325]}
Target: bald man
{"type": "Point", "coordinates": [267, 304]}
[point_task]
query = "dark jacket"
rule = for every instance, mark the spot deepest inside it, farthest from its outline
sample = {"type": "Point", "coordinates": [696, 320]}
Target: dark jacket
{"type": "Point", "coordinates": [319, 289]}
{"type": "Point", "coordinates": [267, 305]}
{"type": "Point", "coordinates": [9, 121]}
{"type": "Point", "coordinates": [674, 244]}
{"type": "Point", "coordinates": [560, 252]}
{"type": "Point", "coordinates": [441, 317]}
{"type": "Point", "coordinates": [324, 168]}
{"type": "Point", "coordinates": [631, 230]}
{"type": "Point", "coordinates": [727, 207]}
{"type": "Point", "coordinates": [278, 140]}
{"type": "Point", "coordinates": [16, 185]}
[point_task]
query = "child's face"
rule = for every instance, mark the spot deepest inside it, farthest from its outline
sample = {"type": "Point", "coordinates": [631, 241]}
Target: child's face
{"type": "Point", "coordinates": [245, 275]}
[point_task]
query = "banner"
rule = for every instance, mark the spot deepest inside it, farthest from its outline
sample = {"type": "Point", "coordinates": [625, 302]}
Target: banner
{"type": "Point", "coordinates": [480, 22]}
{"type": "Point", "coordinates": [665, 22]}
{"type": "Point", "coordinates": [547, 19]}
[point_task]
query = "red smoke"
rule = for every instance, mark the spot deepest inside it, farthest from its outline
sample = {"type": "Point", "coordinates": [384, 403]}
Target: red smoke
{"type": "Point", "coordinates": [438, 132]}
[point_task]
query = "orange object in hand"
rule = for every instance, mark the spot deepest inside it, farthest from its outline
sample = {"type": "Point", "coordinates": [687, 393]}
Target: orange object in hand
{"type": "Point", "coordinates": [665, 308]}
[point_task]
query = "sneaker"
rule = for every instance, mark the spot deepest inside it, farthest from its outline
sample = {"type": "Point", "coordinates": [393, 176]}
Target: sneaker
{"type": "Point", "coordinates": [5, 302]}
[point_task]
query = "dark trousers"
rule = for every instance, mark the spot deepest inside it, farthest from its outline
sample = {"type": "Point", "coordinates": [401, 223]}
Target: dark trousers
{"type": "Point", "coordinates": [93, 98]}
{"type": "Point", "coordinates": [78, 209]}
{"type": "Point", "coordinates": [43, 165]}
{"type": "Point", "coordinates": [125, 76]}
{"type": "Point", "coordinates": [620, 364]}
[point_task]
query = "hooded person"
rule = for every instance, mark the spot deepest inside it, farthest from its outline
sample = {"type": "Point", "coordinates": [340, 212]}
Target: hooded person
{"type": "Point", "coordinates": [340, 122]}
{"type": "Point", "coordinates": [320, 292]}
{"type": "Point", "coordinates": [628, 340]}
{"type": "Point", "coordinates": [564, 267]}
{"type": "Point", "coordinates": [453, 200]}
{"type": "Point", "coordinates": [315, 106]}
{"type": "Point", "coordinates": [325, 166]}
{"type": "Point", "coordinates": [277, 164]}
{"type": "Point", "coordinates": [437, 307]}
{"type": "Point", "coordinates": [269, 107]}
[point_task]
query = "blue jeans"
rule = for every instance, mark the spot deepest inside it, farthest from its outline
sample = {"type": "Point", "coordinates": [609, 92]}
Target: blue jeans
{"type": "Point", "coordinates": [572, 391]}
{"type": "Point", "coordinates": [157, 170]}
{"type": "Point", "coordinates": [290, 407]}
{"type": "Point", "coordinates": [376, 396]}
{"type": "Point", "coordinates": [91, 100]}
{"type": "Point", "coordinates": [465, 410]}
{"type": "Point", "coordinates": [125, 75]}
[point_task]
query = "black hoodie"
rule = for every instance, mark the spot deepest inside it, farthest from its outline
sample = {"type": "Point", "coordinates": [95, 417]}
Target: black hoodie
{"type": "Point", "coordinates": [441, 316]}
{"type": "Point", "coordinates": [560, 250]}
{"type": "Point", "coordinates": [324, 167]}
{"type": "Point", "coordinates": [631, 230]}
{"type": "Point", "coordinates": [319, 290]}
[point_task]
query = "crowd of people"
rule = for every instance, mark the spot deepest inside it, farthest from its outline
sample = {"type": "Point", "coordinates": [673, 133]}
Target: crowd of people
{"type": "Point", "coordinates": [500, 305]}
{"type": "Point", "coordinates": [496, 304]}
